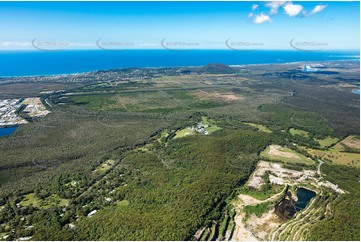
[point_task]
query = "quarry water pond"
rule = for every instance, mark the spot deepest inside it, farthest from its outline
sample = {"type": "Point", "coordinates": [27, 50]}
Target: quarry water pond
{"type": "Point", "coordinates": [289, 206]}
{"type": "Point", "coordinates": [304, 196]}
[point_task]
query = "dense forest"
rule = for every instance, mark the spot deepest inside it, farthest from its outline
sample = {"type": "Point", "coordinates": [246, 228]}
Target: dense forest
{"type": "Point", "coordinates": [189, 179]}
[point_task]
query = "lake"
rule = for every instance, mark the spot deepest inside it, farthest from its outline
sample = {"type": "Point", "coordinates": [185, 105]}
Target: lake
{"type": "Point", "coordinates": [304, 197]}
{"type": "Point", "coordinates": [7, 131]}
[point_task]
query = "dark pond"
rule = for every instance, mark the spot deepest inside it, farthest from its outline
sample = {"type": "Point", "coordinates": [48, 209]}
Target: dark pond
{"type": "Point", "coordinates": [304, 197]}
{"type": "Point", "coordinates": [288, 207]}
{"type": "Point", "coordinates": [7, 131]}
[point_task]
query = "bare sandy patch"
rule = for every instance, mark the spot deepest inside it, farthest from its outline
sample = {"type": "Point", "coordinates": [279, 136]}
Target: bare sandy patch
{"type": "Point", "coordinates": [228, 97]}
{"type": "Point", "coordinates": [262, 226]}
{"type": "Point", "coordinates": [241, 233]}
{"type": "Point", "coordinates": [256, 179]}
{"type": "Point", "coordinates": [34, 107]}
{"type": "Point", "coordinates": [276, 151]}
{"type": "Point", "coordinates": [280, 175]}
{"type": "Point", "coordinates": [244, 231]}
{"type": "Point", "coordinates": [249, 200]}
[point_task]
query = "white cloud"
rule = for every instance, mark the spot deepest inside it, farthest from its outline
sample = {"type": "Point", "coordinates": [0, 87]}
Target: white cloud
{"type": "Point", "coordinates": [250, 15]}
{"type": "Point", "coordinates": [318, 8]}
{"type": "Point", "coordinates": [292, 9]}
{"type": "Point", "coordinates": [148, 45]}
{"type": "Point", "coordinates": [274, 6]}
{"type": "Point", "coordinates": [81, 44]}
{"type": "Point", "coordinates": [254, 6]}
{"type": "Point", "coordinates": [42, 45]}
{"type": "Point", "coordinates": [262, 18]}
{"type": "Point", "coordinates": [14, 44]}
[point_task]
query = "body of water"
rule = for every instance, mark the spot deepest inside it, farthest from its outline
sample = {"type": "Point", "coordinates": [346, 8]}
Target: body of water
{"type": "Point", "coordinates": [26, 63]}
{"type": "Point", "coordinates": [356, 92]}
{"type": "Point", "coordinates": [304, 197]}
{"type": "Point", "coordinates": [7, 131]}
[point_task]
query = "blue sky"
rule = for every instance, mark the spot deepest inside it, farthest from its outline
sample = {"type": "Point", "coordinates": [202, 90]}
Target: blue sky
{"type": "Point", "coordinates": [202, 25]}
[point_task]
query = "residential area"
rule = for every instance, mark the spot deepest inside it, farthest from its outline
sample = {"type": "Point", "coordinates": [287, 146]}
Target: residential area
{"type": "Point", "coordinates": [8, 115]}
{"type": "Point", "coordinates": [9, 110]}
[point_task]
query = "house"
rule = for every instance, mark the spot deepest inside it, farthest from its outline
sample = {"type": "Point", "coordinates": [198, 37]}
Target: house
{"type": "Point", "coordinates": [92, 213]}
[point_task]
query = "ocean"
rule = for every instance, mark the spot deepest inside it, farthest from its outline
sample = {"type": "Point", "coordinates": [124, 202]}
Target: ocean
{"type": "Point", "coordinates": [30, 63]}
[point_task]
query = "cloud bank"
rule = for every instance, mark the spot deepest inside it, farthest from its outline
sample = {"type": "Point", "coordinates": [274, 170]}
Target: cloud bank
{"type": "Point", "coordinates": [290, 9]}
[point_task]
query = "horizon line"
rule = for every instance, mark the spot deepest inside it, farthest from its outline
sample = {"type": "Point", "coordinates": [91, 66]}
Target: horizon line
{"type": "Point", "coordinates": [179, 49]}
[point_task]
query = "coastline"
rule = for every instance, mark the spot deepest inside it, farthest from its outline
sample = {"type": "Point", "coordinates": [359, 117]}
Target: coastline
{"type": "Point", "coordinates": [181, 66]}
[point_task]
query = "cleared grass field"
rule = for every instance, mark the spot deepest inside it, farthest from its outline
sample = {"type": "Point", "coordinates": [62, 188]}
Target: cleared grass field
{"type": "Point", "coordinates": [284, 154]}
{"type": "Point", "coordinates": [313, 152]}
{"type": "Point", "coordinates": [337, 154]}
{"type": "Point", "coordinates": [122, 203]}
{"type": "Point", "coordinates": [51, 201]}
{"type": "Point", "coordinates": [163, 136]}
{"type": "Point", "coordinates": [260, 127]}
{"type": "Point", "coordinates": [206, 121]}
{"type": "Point", "coordinates": [105, 166]}
{"type": "Point", "coordinates": [350, 142]}
{"type": "Point", "coordinates": [145, 148]}
{"type": "Point", "coordinates": [184, 132]}
{"type": "Point", "coordinates": [30, 199]}
{"type": "Point", "coordinates": [342, 158]}
{"type": "Point", "coordinates": [326, 142]}
{"type": "Point", "coordinates": [294, 131]}
{"type": "Point", "coordinates": [212, 128]}
{"type": "Point", "coordinates": [210, 124]}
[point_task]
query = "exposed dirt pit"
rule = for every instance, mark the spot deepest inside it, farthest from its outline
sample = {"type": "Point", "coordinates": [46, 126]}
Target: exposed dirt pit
{"type": "Point", "coordinates": [279, 175]}
{"type": "Point", "coordinates": [262, 226]}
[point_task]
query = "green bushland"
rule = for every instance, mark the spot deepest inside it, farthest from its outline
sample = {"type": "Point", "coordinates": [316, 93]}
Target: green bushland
{"type": "Point", "coordinates": [344, 221]}
{"type": "Point", "coordinates": [139, 101]}
{"type": "Point", "coordinates": [97, 102]}
{"type": "Point", "coordinates": [181, 197]}
{"type": "Point", "coordinates": [285, 117]}
{"type": "Point", "coordinates": [225, 222]}
{"type": "Point", "coordinates": [265, 192]}
{"type": "Point", "coordinates": [56, 155]}
{"type": "Point", "coordinates": [171, 191]}
{"type": "Point", "coordinates": [261, 208]}
{"type": "Point", "coordinates": [258, 209]}
{"type": "Point", "coordinates": [295, 167]}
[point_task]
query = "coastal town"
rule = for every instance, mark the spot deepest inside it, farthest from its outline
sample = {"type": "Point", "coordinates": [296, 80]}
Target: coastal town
{"type": "Point", "coordinates": [10, 110]}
